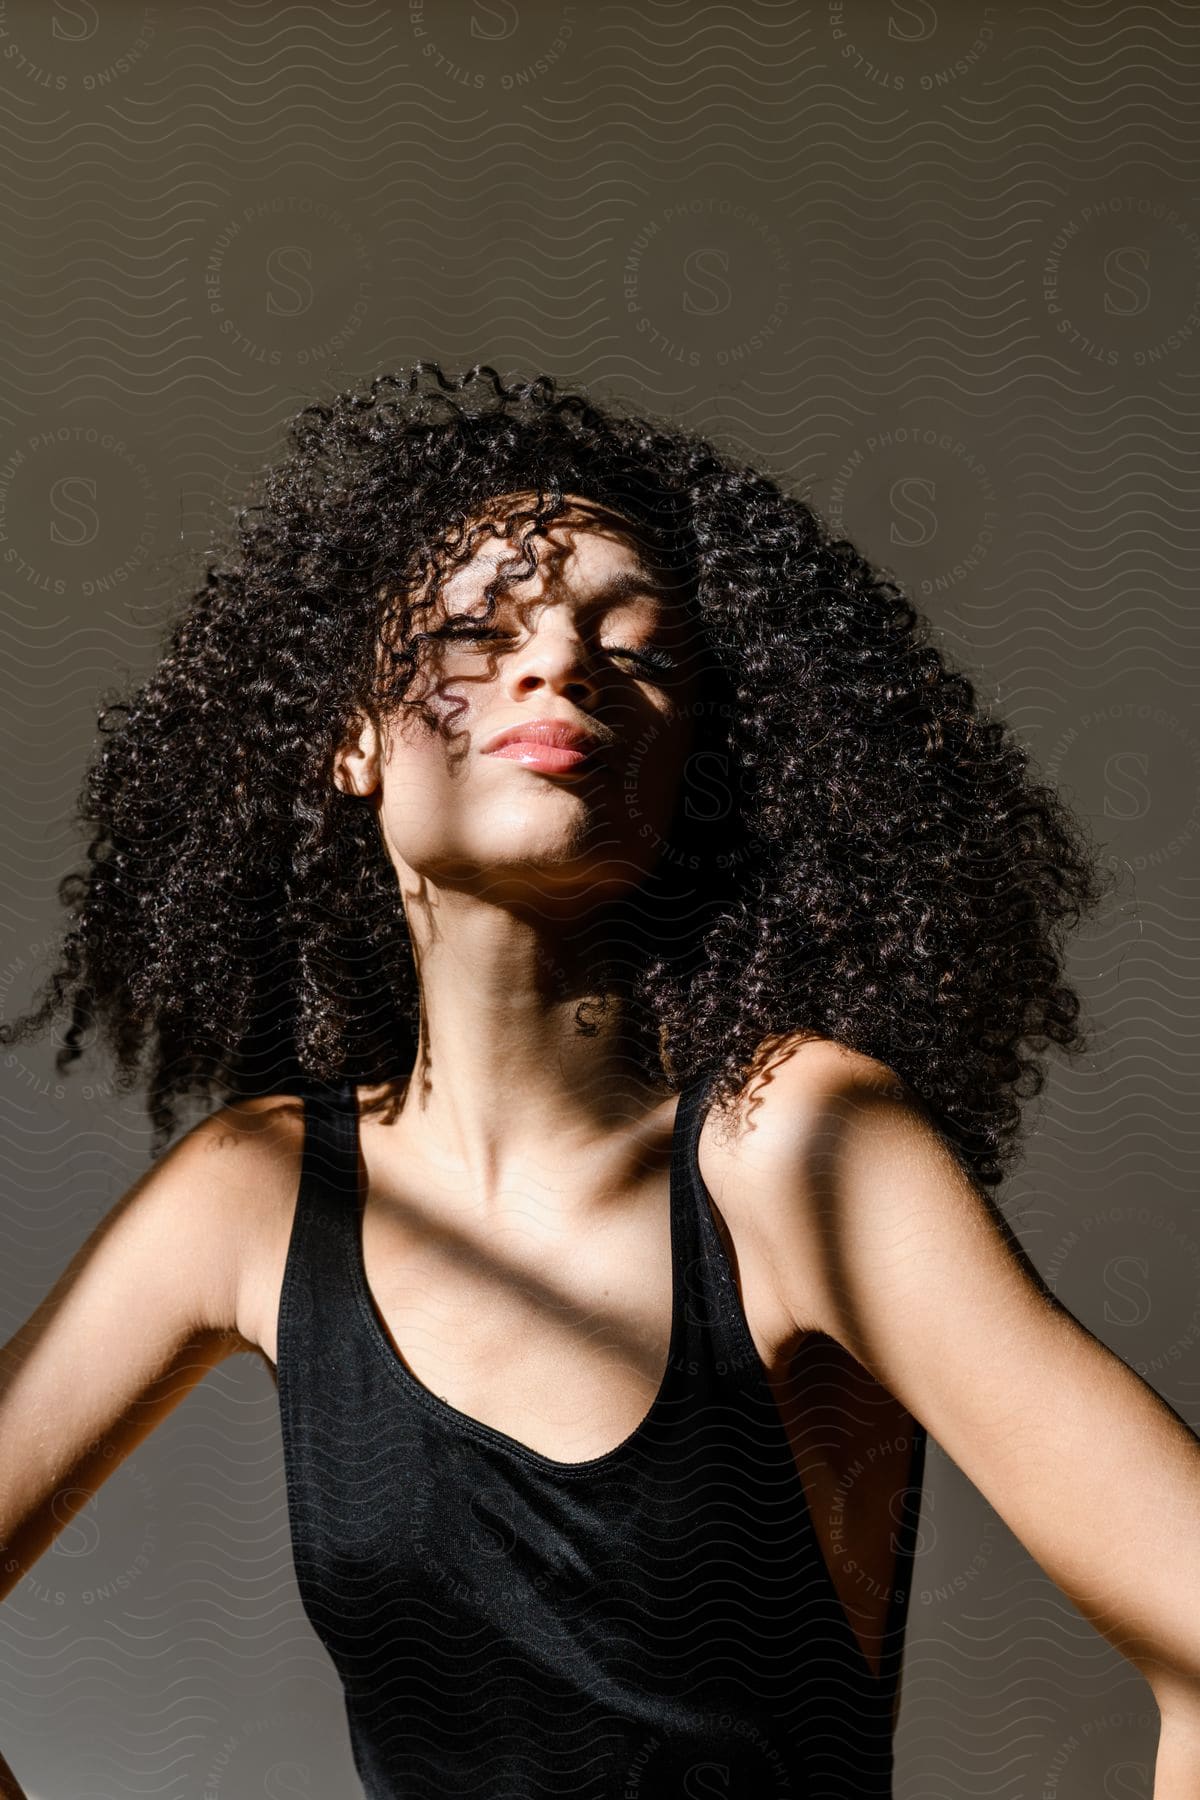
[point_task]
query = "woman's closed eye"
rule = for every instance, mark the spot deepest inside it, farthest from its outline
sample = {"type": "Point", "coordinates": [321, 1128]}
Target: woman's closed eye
{"type": "Point", "coordinates": [661, 661]}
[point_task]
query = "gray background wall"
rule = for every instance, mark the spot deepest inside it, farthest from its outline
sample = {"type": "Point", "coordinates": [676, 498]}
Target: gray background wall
{"type": "Point", "coordinates": [936, 264]}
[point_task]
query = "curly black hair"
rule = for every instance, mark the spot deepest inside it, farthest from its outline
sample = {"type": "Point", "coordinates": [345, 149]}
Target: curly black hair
{"type": "Point", "coordinates": [880, 866]}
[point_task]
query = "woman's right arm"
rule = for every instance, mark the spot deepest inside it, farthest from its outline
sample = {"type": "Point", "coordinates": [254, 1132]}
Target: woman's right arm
{"type": "Point", "coordinates": [154, 1299]}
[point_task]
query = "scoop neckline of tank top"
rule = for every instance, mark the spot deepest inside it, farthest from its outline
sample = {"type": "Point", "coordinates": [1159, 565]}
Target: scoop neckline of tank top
{"type": "Point", "coordinates": [466, 1422]}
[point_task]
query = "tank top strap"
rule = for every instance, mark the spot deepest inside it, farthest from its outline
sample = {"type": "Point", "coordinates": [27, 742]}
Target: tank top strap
{"type": "Point", "coordinates": [317, 1297]}
{"type": "Point", "coordinates": [715, 1328]}
{"type": "Point", "coordinates": [329, 1175]}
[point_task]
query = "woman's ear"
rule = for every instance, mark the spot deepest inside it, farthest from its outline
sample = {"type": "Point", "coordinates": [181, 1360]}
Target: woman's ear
{"type": "Point", "coordinates": [356, 764]}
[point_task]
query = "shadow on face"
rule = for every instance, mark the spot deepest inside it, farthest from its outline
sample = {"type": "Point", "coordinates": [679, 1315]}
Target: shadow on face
{"type": "Point", "coordinates": [579, 626]}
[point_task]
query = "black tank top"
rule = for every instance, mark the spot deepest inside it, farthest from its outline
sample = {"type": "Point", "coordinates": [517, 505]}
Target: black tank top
{"type": "Point", "coordinates": [654, 1623]}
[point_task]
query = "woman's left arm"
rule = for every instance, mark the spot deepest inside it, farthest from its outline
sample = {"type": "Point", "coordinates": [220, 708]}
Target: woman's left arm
{"type": "Point", "coordinates": [879, 1238]}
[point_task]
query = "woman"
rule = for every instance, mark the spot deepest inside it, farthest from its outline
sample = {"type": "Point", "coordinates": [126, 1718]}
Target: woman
{"type": "Point", "coordinates": [619, 946]}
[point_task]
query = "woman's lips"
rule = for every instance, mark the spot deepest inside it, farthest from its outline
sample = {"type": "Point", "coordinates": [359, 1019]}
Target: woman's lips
{"type": "Point", "coordinates": [551, 759]}
{"type": "Point", "coordinates": [551, 745]}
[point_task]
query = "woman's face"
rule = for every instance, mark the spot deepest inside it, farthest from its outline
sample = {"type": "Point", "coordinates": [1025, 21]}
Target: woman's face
{"type": "Point", "coordinates": [576, 642]}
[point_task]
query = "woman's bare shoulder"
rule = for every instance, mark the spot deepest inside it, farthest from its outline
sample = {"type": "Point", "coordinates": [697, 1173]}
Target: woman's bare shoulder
{"type": "Point", "coordinates": [158, 1293]}
{"type": "Point", "coordinates": [252, 1150]}
{"type": "Point", "coordinates": [752, 1147]}
{"type": "Point", "coordinates": [256, 1127]}
{"type": "Point", "coordinates": [789, 1073]}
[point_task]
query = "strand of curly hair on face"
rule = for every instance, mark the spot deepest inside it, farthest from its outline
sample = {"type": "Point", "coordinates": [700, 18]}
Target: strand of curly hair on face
{"type": "Point", "coordinates": [882, 867]}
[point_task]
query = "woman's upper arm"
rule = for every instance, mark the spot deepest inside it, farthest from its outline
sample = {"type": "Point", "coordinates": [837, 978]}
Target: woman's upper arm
{"type": "Point", "coordinates": [144, 1309]}
{"type": "Point", "coordinates": [881, 1240]}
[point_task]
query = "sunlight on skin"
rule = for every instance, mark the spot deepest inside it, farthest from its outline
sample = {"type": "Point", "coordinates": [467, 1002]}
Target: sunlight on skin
{"type": "Point", "coordinates": [455, 818]}
{"type": "Point", "coordinates": [501, 866]}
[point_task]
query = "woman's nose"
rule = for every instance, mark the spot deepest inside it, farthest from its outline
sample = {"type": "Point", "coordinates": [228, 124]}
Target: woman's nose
{"type": "Point", "coordinates": [554, 656]}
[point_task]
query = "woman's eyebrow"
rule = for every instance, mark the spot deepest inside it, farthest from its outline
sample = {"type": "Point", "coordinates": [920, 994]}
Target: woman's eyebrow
{"type": "Point", "coordinates": [626, 584]}
{"type": "Point", "coordinates": [629, 583]}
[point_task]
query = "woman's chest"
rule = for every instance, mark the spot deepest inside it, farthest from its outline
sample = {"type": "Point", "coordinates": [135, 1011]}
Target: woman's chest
{"type": "Point", "coordinates": [549, 1321]}
{"type": "Point", "coordinates": [554, 1332]}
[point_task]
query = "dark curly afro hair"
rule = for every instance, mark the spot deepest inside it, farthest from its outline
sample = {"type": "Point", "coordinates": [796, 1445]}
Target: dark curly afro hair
{"type": "Point", "coordinates": [881, 867]}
